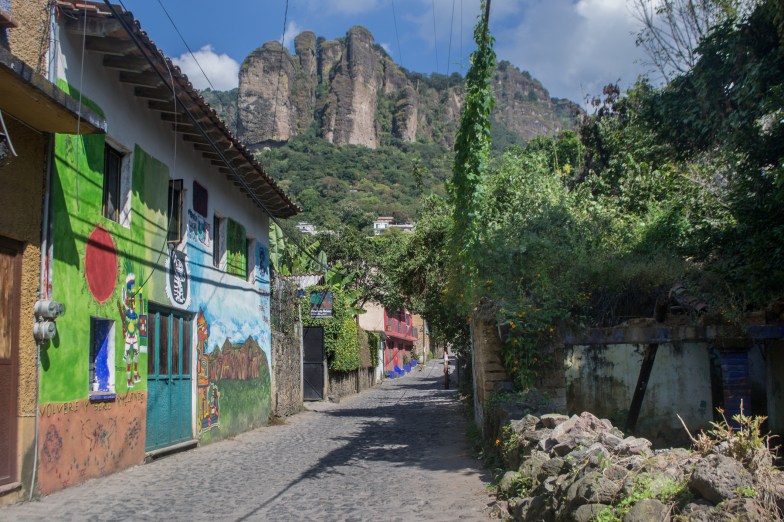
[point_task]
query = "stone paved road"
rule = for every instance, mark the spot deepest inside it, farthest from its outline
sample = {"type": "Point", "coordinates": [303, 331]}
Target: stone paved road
{"type": "Point", "coordinates": [396, 452]}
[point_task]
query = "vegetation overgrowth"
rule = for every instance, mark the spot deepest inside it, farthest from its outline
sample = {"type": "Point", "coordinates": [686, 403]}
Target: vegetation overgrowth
{"type": "Point", "coordinates": [681, 184]}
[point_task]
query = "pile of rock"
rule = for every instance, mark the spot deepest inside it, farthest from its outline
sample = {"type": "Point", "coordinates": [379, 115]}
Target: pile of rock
{"type": "Point", "coordinates": [582, 468]}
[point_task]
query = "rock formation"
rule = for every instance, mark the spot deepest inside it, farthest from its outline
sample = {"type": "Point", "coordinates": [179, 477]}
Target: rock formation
{"type": "Point", "coordinates": [352, 92]}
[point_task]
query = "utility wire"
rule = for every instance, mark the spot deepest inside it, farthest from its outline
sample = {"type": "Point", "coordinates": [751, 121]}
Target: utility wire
{"type": "Point", "coordinates": [435, 38]}
{"type": "Point", "coordinates": [449, 51]}
{"type": "Point", "coordinates": [280, 68]}
{"type": "Point", "coordinates": [220, 102]}
{"type": "Point", "coordinates": [197, 123]}
{"type": "Point", "coordinates": [397, 36]}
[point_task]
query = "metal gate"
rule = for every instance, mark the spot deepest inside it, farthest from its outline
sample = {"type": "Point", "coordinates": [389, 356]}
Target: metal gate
{"type": "Point", "coordinates": [169, 387]}
{"type": "Point", "coordinates": [10, 274]}
{"type": "Point", "coordinates": [313, 363]}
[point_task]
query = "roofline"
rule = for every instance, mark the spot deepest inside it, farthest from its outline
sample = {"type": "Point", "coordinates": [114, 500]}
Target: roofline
{"type": "Point", "coordinates": [164, 67]}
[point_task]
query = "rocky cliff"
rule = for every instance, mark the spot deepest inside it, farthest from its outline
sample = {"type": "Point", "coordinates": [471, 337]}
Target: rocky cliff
{"type": "Point", "coordinates": [352, 92]}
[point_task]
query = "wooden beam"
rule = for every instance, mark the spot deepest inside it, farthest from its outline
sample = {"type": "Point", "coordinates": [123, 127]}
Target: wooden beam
{"type": "Point", "coordinates": [153, 94]}
{"type": "Point", "coordinates": [661, 334]}
{"type": "Point", "coordinates": [195, 138]}
{"type": "Point", "coordinates": [141, 79]}
{"type": "Point", "coordinates": [126, 63]}
{"type": "Point", "coordinates": [203, 148]}
{"type": "Point", "coordinates": [113, 46]}
{"type": "Point", "coordinates": [186, 129]}
{"type": "Point", "coordinates": [642, 385]}
{"type": "Point", "coordinates": [180, 119]}
{"type": "Point", "coordinates": [92, 26]}
{"type": "Point", "coordinates": [211, 156]}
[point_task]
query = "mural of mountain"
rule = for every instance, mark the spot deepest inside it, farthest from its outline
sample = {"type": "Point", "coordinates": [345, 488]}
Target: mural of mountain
{"type": "Point", "coordinates": [352, 92]}
{"type": "Point", "coordinates": [237, 361]}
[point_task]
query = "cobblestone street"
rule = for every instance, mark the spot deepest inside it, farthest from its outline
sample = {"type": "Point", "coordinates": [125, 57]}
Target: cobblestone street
{"type": "Point", "coordinates": [396, 452]}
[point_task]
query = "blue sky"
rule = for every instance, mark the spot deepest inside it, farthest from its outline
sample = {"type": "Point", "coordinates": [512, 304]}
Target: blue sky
{"type": "Point", "coordinates": [573, 47]}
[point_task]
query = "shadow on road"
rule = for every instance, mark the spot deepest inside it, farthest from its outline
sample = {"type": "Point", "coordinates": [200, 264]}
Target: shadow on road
{"type": "Point", "coordinates": [416, 423]}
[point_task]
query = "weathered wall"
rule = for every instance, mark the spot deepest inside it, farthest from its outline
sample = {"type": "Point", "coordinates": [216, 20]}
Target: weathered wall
{"type": "Point", "coordinates": [775, 376]}
{"type": "Point", "coordinates": [367, 378]}
{"type": "Point", "coordinates": [342, 384]}
{"type": "Point", "coordinates": [487, 365]}
{"type": "Point", "coordinates": [229, 342]}
{"type": "Point", "coordinates": [82, 440]}
{"type": "Point", "coordinates": [30, 41]}
{"type": "Point", "coordinates": [602, 379]}
{"type": "Point", "coordinates": [287, 390]}
{"type": "Point", "coordinates": [287, 376]}
{"type": "Point", "coordinates": [21, 200]}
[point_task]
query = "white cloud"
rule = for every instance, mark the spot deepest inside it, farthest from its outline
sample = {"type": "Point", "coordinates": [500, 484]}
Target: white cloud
{"type": "Point", "coordinates": [292, 31]}
{"type": "Point", "coordinates": [345, 7]}
{"type": "Point", "coordinates": [574, 48]}
{"type": "Point", "coordinates": [387, 47]}
{"type": "Point", "coordinates": [222, 70]}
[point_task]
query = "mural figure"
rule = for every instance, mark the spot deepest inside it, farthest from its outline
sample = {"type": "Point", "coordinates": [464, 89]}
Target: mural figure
{"type": "Point", "coordinates": [209, 396]}
{"type": "Point", "coordinates": [130, 324]}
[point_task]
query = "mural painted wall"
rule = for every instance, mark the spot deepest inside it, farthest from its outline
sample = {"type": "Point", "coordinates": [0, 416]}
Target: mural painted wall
{"type": "Point", "coordinates": [95, 395]}
{"type": "Point", "coordinates": [233, 335]}
{"type": "Point", "coordinates": [93, 380]}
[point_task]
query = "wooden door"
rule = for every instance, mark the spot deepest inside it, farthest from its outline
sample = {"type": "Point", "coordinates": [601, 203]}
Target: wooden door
{"type": "Point", "coordinates": [169, 382]}
{"type": "Point", "coordinates": [10, 279]}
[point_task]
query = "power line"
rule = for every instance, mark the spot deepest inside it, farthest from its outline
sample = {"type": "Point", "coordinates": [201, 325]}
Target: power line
{"type": "Point", "coordinates": [397, 36]}
{"type": "Point", "coordinates": [197, 123]}
{"type": "Point", "coordinates": [186, 44]}
{"type": "Point", "coordinates": [435, 38]}
{"type": "Point", "coordinates": [280, 68]}
{"type": "Point", "coordinates": [449, 50]}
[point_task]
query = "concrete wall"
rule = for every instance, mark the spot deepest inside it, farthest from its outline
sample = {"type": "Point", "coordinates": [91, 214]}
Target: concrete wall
{"type": "Point", "coordinates": [230, 337]}
{"type": "Point", "coordinates": [21, 200]}
{"type": "Point", "coordinates": [373, 318]}
{"type": "Point", "coordinates": [602, 380]}
{"type": "Point", "coordinates": [775, 386]}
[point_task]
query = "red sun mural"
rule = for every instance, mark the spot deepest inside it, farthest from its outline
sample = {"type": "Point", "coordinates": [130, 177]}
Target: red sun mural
{"type": "Point", "coordinates": [100, 264]}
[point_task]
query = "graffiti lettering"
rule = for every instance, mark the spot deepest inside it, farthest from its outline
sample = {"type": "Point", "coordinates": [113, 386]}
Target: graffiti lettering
{"type": "Point", "coordinates": [75, 407]}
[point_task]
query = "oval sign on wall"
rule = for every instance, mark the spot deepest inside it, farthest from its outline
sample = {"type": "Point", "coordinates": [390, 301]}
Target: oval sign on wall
{"type": "Point", "coordinates": [100, 264]}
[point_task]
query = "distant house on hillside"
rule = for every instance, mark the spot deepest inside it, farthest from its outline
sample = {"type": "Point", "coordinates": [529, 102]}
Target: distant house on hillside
{"type": "Point", "coordinates": [307, 228]}
{"type": "Point", "coordinates": [384, 223]}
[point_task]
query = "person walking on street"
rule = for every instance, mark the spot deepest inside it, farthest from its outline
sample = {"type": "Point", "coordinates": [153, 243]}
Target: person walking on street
{"type": "Point", "coordinates": [446, 369]}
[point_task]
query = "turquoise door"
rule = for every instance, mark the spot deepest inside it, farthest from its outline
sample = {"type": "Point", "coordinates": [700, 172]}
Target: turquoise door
{"type": "Point", "coordinates": [169, 386]}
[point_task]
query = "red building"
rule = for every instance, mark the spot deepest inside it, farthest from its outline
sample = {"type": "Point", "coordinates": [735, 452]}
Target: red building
{"type": "Point", "coordinates": [401, 336]}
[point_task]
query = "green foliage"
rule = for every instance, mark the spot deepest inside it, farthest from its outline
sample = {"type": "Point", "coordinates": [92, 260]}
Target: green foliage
{"type": "Point", "coordinates": [373, 342]}
{"type": "Point", "coordinates": [421, 268]}
{"type": "Point", "coordinates": [472, 144]}
{"type": "Point", "coordinates": [340, 331]}
{"type": "Point", "coordinates": [727, 112]}
{"type": "Point", "coordinates": [287, 258]}
{"type": "Point", "coordinates": [672, 491]}
{"type": "Point", "coordinates": [743, 440]}
{"type": "Point", "coordinates": [351, 185]}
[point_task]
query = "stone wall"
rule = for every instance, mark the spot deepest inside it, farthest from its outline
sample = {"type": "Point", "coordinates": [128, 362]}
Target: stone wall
{"type": "Point", "coordinates": [287, 395]}
{"type": "Point", "coordinates": [488, 368]}
{"type": "Point", "coordinates": [342, 384]}
{"type": "Point", "coordinates": [286, 368]}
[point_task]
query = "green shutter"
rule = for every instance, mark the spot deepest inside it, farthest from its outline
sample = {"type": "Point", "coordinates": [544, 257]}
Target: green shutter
{"type": "Point", "coordinates": [236, 249]}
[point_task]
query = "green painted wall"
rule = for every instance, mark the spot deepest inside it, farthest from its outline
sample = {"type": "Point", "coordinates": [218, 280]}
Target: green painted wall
{"type": "Point", "coordinates": [77, 192]}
